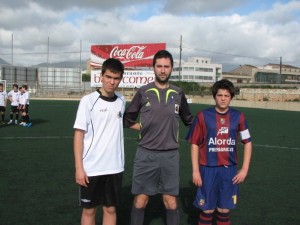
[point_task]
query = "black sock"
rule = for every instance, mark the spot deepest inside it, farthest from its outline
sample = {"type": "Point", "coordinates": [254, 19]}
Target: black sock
{"type": "Point", "coordinates": [11, 116]}
{"type": "Point", "coordinates": [137, 216]}
{"type": "Point", "coordinates": [172, 217]}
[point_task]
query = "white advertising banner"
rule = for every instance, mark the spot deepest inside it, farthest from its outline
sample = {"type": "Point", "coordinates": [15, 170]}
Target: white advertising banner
{"type": "Point", "coordinates": [131, 78]}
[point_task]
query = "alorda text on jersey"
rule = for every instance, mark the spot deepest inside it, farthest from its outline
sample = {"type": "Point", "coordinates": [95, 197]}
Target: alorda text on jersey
{"type": "Point", "coordinates": [215, 141]}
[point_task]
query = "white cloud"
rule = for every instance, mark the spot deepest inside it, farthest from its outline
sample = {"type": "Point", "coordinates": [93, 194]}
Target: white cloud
{"type": "Point", "coordinates": [234, 38]}
{"type": "Point", "coordinates": [182, 7]}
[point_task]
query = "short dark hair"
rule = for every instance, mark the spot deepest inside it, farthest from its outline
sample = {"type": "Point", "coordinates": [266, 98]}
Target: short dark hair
{"type": "Point", "coordinates": [15, 85]}
{"type": "Point", "coordinates": [163, 54]}
{"type": "Point", "coordinates": [114, 65]}
{"type": "Point", "coordinates": [25, 86]}
{"type": "Point", "coordinates": [223, 84]}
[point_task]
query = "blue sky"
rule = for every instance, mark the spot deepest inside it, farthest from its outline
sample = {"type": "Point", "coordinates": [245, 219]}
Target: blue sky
{"type": "Point", "coordinates": [231, 32]}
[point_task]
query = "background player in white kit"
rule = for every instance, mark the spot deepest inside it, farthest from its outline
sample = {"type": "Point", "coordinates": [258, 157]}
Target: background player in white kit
{"type": "Point", "coordinates": [24, 106]}
{"type": "Point", "coordinates": [99, 147]}
{"type": "Point", "coordinates": [13, 97]}
{"type": "Point", "coordinates": [3, 100]}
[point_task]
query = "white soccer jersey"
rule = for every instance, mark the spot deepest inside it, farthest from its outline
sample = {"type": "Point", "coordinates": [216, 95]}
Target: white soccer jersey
{"type": "Point", "coordinates": [26, 97]}
{"type": "Point", "coordinates": [3, 98]}
{"type": "Point", "coordinates": [14, 95]}
{"type": "Point", "coordinates": [103, 144]}
{"type": "Point", "coordinates": [22, 99]}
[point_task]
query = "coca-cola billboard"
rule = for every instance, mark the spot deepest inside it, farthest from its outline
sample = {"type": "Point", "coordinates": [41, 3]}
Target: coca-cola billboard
{"type": "Point", "coordinates": [131, 55]}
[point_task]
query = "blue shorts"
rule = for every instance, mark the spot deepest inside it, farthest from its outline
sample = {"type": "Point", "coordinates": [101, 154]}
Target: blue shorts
{"type": "Point", "coordinates": [217, 188]}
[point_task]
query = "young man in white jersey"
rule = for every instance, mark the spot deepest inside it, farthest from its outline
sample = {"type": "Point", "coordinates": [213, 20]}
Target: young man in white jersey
{"type": "Point", "coordinates": [3, 100]}
{"type": "Point", "coordinates": [24, 106]}
{"type": "Point", "coordinates": [99, 147]}
{"type": "Point", "coordinates": [13, 97]}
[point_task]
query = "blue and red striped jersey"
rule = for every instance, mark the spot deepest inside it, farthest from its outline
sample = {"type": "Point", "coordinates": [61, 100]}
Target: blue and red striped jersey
{"type": "Point", "coordinates": [217, 134]}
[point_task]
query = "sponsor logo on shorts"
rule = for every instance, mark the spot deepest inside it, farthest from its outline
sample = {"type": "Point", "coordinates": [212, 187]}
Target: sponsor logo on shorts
{"type": "Point", "coordinates": [85, 200]}
{"type": "Point", "coordinates": [201, 202]}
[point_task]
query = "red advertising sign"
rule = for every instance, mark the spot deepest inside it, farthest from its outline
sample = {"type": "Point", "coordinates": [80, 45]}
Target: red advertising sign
{"type": "Point", "coordinates": [131, 55]}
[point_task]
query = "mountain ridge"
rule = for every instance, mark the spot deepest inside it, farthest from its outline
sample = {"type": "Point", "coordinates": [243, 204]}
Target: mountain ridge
{"type": "Point", "coordinates": [63, 64]}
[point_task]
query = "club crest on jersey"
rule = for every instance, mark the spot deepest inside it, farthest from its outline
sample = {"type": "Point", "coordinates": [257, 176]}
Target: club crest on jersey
{"type": "Point", "coordinates": [223, 130]}
{"type": "Point", "coordinates": [176, 108]}
{"type": "Point", "coordinates": [222, 120]}
{"type": "Point", "coordinates": [120, 114]}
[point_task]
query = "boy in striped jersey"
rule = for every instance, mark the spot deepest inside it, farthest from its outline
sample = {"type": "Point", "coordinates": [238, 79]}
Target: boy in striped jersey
{"type": "Point", "coordinates": [213, 138]}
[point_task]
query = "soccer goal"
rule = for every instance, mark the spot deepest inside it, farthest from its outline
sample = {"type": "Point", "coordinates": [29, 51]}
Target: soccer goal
{"type": "Point", "coordinates": [4, 84]}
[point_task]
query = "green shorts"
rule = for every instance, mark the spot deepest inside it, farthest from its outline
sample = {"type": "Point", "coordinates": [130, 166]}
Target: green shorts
{"type": "Point", "coordinates": [155, 172]}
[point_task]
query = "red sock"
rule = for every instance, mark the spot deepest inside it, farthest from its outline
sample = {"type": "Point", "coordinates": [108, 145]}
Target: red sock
{"type": "Point", "coordinates": [205, 218]}
{"type": "Point", "coordinates": [222, 218]}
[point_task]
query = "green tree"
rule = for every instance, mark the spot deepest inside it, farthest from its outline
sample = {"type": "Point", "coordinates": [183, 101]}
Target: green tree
{"type": "Point", "coordinates": [86, 77]}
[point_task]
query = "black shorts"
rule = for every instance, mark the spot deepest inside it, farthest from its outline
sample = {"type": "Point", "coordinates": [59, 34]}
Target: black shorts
{"type": "Point", "coordinates": [102, 190]}
{"type": "Point", "coordinates": [2, 109]}
{"type": "Point", "coordinates": [14, 109]}
{"type": "Point", "coordinates": [26, 109]}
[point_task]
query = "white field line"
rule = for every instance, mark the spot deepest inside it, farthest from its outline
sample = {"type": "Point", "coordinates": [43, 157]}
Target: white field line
{"type": "Point", "coordinates": [133, 138]}
{"type": "Point", "coordinates": [281, 147]}
{"type": "Point", "coordinates": [42, 137]}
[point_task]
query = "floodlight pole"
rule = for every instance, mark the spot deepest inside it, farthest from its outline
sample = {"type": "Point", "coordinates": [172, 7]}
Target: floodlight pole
{"type": "Point", "coordinates": [280, 69]}
{"type": "Point", "coordinates": [180, 52]}
{"type": "Point", "coordinates": [12, 57]}
{"type": "Point", "coordinates": [48, 64]}
{"type": "Point", "coordinates": [80, 68]}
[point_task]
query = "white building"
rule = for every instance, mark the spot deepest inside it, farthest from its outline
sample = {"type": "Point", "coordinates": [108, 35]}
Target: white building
{"type": "Point", "coordinates": [270, 74]}
{"type": "Point", "coordinates": [197, 69]}
{"type": "Point", "coordinates": [60, 78]}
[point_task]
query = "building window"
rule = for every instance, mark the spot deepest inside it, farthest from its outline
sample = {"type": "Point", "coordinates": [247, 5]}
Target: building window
{"type": "Point", "coordinates": [204, 69]}
{"type": "Point", "coordinates": [188, 68]}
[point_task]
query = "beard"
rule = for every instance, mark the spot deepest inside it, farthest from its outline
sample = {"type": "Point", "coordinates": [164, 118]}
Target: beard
{"type": "Point", "coordinates": [162, 81]}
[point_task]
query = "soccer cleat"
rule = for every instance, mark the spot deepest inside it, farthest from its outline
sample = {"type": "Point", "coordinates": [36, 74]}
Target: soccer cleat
{"type": "Point", "coordinates": [10, 122]}
{"type": "Point", "coordinates": [21, 124]}
{"type": "Point", "coordinates": [16, 122]}
{"type": "Point", "coordinates": [28, 125]}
